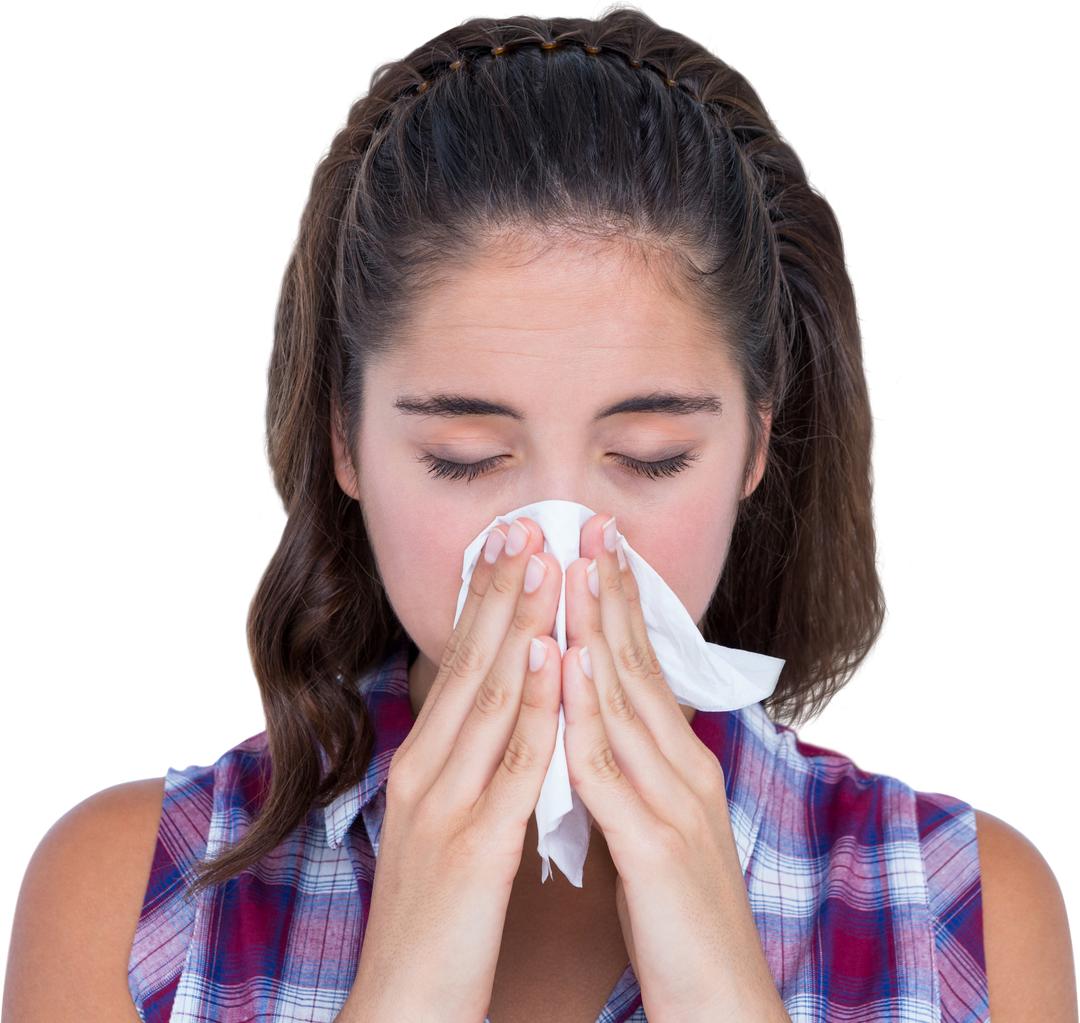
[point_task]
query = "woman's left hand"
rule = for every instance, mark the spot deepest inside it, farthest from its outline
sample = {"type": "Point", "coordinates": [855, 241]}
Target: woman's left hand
{"type": "Point", "coordinates": [657, 794]}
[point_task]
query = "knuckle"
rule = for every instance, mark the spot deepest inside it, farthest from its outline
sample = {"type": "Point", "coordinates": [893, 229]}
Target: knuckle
{"type": "Point", "coordinates": [502, 585]}
{"type": "Point", "coordinates": [602, 763]}
{"type": "Point", "coordinates": [450, 653]}
{"type": "Point", "coordinates": [520, 757]}
{"type": "Point", "coordinates": [469, 658]}
{"type": "Point", "coordinates": [710, 775]}
{"type": "Point", "coordinates": [619, 705]}
{"type": "Point", "coordinates": [632, 660]}
{"type": "Point", "coordinates": [478, 584]}
{"type": "Point", "coordinates": [522, 621]}
{"type": "Point", "coordinates": [492, 697]}
{"type": "Point", "coordinates": [402, 783]}
{"type": "Point", "coordinates": [480, 580]}
{"type": "Point", "coordinates": [613, 584]}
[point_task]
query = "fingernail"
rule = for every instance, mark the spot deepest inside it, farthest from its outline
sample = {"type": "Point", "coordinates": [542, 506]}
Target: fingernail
{"type": "Point", "coordinates": [516, 539]}
{"type": "Point", "coordinates": [608, 532]}
{"type": "Point", "coordinates": [496, 539]}
{"type": "Point", "coordinates": [534, 574]}
{"type": "Point", "coordinates": [584, 660]}
{"type": "Point", "coordinates": [537, 655]}
{"type": "Point", "coordinates": [622, 557]}
{"type": "Point", "coordinates": [594, 580]}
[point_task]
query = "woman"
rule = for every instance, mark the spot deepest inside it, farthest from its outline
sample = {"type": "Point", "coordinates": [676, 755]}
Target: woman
{"type": "Point", "coordinates": [573, 260]}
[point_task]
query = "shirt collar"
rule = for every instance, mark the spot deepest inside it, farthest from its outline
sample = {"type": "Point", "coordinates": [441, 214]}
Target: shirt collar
{"type": "Point", "coordinates": [386, 694]}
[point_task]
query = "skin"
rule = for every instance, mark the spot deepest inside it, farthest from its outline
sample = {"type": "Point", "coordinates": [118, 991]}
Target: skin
{"type": "Point", "coordinates": [480, 336]}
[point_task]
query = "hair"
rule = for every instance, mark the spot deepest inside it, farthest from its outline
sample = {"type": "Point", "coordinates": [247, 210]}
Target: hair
{"type": "Point", "coordinates": [616, 125]}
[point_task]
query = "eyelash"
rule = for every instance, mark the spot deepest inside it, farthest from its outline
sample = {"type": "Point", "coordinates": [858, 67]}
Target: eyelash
{"type": "Point", "coordinates": [441, 469]}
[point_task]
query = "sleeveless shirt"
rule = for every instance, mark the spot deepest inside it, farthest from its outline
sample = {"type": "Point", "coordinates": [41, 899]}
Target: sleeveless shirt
{"type": "Point", "coordinates": [865, 893]}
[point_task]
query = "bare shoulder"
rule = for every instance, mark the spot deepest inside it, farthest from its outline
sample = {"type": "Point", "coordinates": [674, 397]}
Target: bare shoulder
{"type": "Point", "coordinates": [78, 909]}
{"type": "Point", "coordinates": [1029, 958]}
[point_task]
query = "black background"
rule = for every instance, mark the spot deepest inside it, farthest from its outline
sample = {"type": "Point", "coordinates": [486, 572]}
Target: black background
{"type": "Point", "coordinates": [145, 616]}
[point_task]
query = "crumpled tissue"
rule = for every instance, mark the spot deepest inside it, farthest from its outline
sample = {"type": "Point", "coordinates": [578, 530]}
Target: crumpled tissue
{"type": "Point", "coordinates": [702, 675]}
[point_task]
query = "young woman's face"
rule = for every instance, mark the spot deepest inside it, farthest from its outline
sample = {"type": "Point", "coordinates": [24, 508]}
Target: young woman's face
{"type": "Point", "coordinates": [568, 371]}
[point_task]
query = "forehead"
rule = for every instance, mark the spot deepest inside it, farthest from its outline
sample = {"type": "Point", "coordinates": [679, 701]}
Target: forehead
{"type": "Point", "coordinates": [561, 305]}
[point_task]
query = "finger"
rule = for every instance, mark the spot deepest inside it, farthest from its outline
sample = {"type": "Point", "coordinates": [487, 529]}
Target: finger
{"type": "Point", "coordinates": [642, 718]}
{"type": "Point", "coordinates": [632, 742]}
{"type": "Point", "coordinates": [607, 608]}
{"type": "Point", "coordinates": [595, 771]}
{"type": "Point", "coordinates": [578, 602]}
{"type": "Point", "coordinates": [578, 605]}
{"type": "Point", "coordinates": [478, 584]}
{"type": "Point", "coordinates": [489, 725]}
{"type": "Point", "coordinates": [632, 596]}
{"type": "Point", "coordinates": [463, 670]}
{"type": "Point", "coordinates": [514, 788]}
{"type": "Point", "coordinates": [477, 587]}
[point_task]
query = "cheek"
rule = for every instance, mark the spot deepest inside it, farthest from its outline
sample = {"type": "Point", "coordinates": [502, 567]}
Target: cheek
{"type": "Point", "coordinates": [688, 556]}
{"type": "Point", "coordinates": [418, 543]}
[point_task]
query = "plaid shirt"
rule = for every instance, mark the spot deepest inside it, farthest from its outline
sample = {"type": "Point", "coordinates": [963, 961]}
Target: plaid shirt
{"type": "Point", "coordinates": [866, 894]}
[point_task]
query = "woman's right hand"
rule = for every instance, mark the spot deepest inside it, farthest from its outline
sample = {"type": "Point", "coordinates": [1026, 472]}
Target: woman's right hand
{"type": "Point", "coordinates": [460, 792]}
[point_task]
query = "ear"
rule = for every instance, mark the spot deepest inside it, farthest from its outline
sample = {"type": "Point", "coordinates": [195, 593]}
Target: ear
{"type": "Point", "coordinates": [757, 466]}
{"type": "Point", "coordinates": [344, 470]}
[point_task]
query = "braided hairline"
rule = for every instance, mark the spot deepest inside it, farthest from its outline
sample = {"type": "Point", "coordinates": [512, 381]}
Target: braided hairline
{"type": "Point", "coordinates": [689, 88]}
{"type": "Point", "coordinates": [554, 44]}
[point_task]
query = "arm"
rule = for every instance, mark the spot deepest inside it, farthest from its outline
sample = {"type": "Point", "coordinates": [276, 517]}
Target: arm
{"type": "Point", "coordinates": [78, 908]}
{"type": "Point", "coordinates": [1029, 959]}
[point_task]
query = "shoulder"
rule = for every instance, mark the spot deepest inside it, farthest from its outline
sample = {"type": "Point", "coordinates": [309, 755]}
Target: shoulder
{"type": "Point", "coordinates": [1029, 961]}
{"type": "Point", "coordinates": [79, 907]}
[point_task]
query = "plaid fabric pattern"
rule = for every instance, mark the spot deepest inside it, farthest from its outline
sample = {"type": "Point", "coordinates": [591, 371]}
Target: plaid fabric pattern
{"type": "Point", "coordinates": [866, 894]}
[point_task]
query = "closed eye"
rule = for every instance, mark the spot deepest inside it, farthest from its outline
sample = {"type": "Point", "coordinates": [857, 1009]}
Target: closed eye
{"type": "Point", "coordinates": [444, 469]}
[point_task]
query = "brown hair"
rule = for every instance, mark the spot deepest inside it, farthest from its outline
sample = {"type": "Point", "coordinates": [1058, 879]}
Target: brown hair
{"type": "Point", "coordinates": [615, 123]}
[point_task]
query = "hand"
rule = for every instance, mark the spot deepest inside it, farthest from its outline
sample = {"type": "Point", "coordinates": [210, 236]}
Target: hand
{"type": "Point", "coordinates": [460, 792]}
{"type": "Point", "coordinates": [657, 794]}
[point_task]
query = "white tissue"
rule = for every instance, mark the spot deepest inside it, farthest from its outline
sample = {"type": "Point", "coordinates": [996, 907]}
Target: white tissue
{"type": "Point", "coordinates": [701, 675]}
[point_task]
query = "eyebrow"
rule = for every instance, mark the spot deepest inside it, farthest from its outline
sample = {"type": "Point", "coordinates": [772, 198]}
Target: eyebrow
{"type": "Point", "coordinates": [451, 405]}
